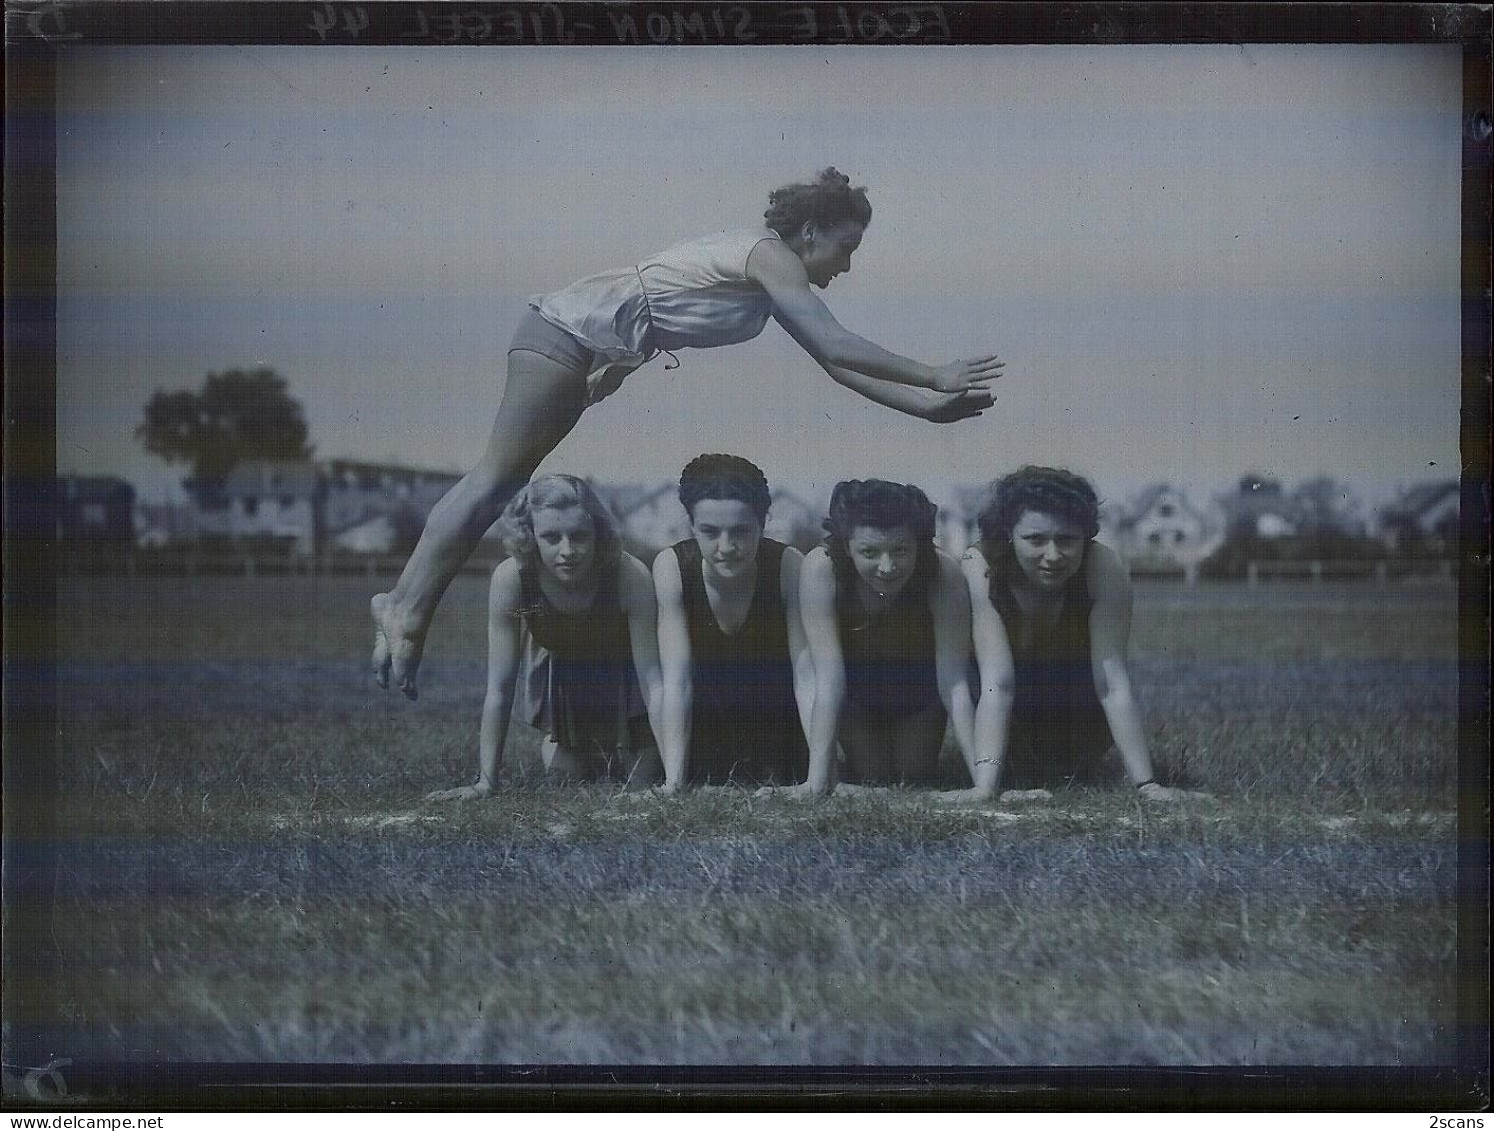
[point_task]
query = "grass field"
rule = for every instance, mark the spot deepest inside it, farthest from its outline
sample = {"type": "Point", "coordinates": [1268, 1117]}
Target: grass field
{"type": "Point", "coordinates": [248, 871]}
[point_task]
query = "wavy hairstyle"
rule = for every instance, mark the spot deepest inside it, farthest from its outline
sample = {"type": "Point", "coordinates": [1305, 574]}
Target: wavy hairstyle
{"type": "Point", "coordinates": [829, 200]}
{"type": "Point", "coordinates": [1049, 490]}
{"type": "Point", "coordinates": [882, 506]}
{"type": "Point", "coordinates": [557, 491]}
{"type": "Point", "coordinates": [718, 476]}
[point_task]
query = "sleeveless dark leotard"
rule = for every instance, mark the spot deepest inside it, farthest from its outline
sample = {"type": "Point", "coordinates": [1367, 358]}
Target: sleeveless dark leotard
{"type": "Point", "coordinates": [891, 675]}
{"type": "Point", "coordinates": [1058, 732]}
{"type": "Point", "coordinates": [744, 717]}
{"type": "Point", "coordinates": [577, 679]}
{"type": "Point", "coordinates": [889, 657]}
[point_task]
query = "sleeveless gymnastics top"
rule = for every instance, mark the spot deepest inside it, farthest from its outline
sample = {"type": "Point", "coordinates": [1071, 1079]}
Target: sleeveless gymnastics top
{"type": "Point", "coordinates": [744, 719]}
{"type": "Point", "coordinates": [889, 657]}
{"type": "Point", "coordinates": [1058, 729]}
{"type": "Point", "coordinates": [694, 294]}
{"type": "Point", "coordinates": [576, 677]}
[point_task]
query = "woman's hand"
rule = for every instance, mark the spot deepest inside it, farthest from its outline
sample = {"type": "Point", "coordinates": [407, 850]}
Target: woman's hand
{"type": "Point", "coordinates": [801, 792]}
{"type": "Point", "coordinates": [1025, 796]}
{"type": "Point", "coordinates": [971, 375]}
{"type": "Point", "coordinates": [946, 408]}
{"type": "Point", "coordinates": [1161, 793]}
{"type": "Point", "coordinates": [462, 793]}
{"type": "Point", "coordinates": [961, 797]}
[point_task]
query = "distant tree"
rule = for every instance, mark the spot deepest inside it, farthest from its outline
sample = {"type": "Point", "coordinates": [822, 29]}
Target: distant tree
{"type": "Point", "coordinates": [1330, 518]}
{"type": "Point", "coordinates": [1319, 519]}
{"type": "Point", "coordinates": [235, 416]}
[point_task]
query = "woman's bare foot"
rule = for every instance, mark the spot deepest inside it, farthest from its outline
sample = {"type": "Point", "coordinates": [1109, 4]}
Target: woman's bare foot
{"type": "Point", "coordinates": [397, 646]}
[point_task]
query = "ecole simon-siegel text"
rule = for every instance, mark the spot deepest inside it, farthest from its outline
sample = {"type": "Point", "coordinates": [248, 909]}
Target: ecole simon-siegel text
{"type": "Point", "coordinates": [557, 24]}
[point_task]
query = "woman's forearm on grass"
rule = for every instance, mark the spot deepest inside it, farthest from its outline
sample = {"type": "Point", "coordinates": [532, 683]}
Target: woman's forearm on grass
{"type": "Point", "coordinates": [992, 721]}
{"type": "Point", "coordinates": [824, 721]}
{"type": "Point", "coordinates": [804, 692]}
{"type": "Point", "coordinates": [961, 710]}
{"type": "Point", "coordinates": [674, 734]}
{"type": "Point", "coordinates": [1123, 713]}
{"type": "Point", "coordinates": [1124, 717]}
{"type": "Point", "coordinates": [497, 705]}
{"type": "Point", "coordinates": [653, 692]}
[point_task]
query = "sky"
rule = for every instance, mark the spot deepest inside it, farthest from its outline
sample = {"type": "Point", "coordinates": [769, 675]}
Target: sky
{"type": "Point", "coordinates": [1197, 261]}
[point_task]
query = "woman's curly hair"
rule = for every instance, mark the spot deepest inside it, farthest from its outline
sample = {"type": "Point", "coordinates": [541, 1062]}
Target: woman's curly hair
{"type": "Point", "coordinates": [882, 506]}
{"type": "Point", "coordinates": [558, 492]}
{"type": "Point", "coordinates": [718, 476]}
{"type": "Point", "coordinates": [1048, 490]}
{"type": "Point", "coordinates": [829, 200]}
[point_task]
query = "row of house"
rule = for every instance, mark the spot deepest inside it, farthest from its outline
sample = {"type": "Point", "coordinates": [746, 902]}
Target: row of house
{"type": "Point", "coordinates": [305, 507]}
{"type": "Point", "coordinates": [308, 508]}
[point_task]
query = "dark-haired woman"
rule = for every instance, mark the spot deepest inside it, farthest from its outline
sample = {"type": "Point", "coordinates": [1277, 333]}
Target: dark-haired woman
{"type": "Point", "coordinates": [575, 346]}
{"type": "Point", "coordinates": [737, 677]}
{"type": "Point", "coordinates": [1051, 613]}
{"type": "Point", "coordinates": [887, 617]}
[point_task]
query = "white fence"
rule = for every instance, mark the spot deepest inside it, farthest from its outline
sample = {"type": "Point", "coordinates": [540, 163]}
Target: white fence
{"type": "Point", "coordinates": [243, 563]}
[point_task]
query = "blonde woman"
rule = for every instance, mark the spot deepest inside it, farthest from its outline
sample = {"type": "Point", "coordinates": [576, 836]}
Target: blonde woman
{"type": "Point", "coordinates": [571, 635]}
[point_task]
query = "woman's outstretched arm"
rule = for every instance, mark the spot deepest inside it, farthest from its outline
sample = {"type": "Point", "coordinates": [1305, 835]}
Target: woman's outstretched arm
{"type": "Point", "coordinates": [808, 320]}
{"type": "Point", "coordinates": [940, 408]}
{"type": "Point", "coordinates": [504, 594]}
{"type": "Point", "coordinates": [674, 663]}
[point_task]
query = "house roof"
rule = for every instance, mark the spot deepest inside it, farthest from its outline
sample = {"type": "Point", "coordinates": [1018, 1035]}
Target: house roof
{"type": "Point", "coordinates": [93, 488]}
{"type": "Point", "coordinates": [1142, 505]}
{"type": "Point", "coordinates": [1147, 499]}
{"type": "Point", "coordinates": [271, 477]}
{"type": "Point", "coordinates": [624, 499]}
{"type": "Point", "coordinates": [1422, 498]}
{"type": "Point", "coordinates": [971, 499]}
{"type": "Point", "coordinates": [783, 498]}
{"type": "Point", "coordinates": [373, 471]}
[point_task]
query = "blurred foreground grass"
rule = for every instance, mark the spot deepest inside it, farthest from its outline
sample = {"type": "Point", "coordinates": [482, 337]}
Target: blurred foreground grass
{"type": "Point", "coordinates": [248, 872]}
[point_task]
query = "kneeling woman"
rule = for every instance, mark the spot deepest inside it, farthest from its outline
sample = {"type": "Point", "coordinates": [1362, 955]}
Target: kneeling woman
{"type": "Point", "coordinates": [1052, 618]}
{"type": "Point", "coordinates": [887, 617]}
{"type": "Point", "coordinates": [571, 622]}
{"type": "Point", "coordinates": [737, 678]}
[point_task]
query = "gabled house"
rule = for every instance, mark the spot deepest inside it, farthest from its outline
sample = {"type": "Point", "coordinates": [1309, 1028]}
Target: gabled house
{"type": "Point", "coordinates": [1161, 527]}
{"type": "Point", "coordinates": [275, 501]}
{"type": "Point", "coordinates": [375, 508]}
{"type": "Point", "coordinates": [95, 509]}
{"type": "Point", "coordinates": [648, 517]}
{"type": "Point", "coordinates": [957, 525]}
{"type": "Point", "coordinates": [1423, 519]}
{"type": "Point", "coordinates": [793, 520]}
